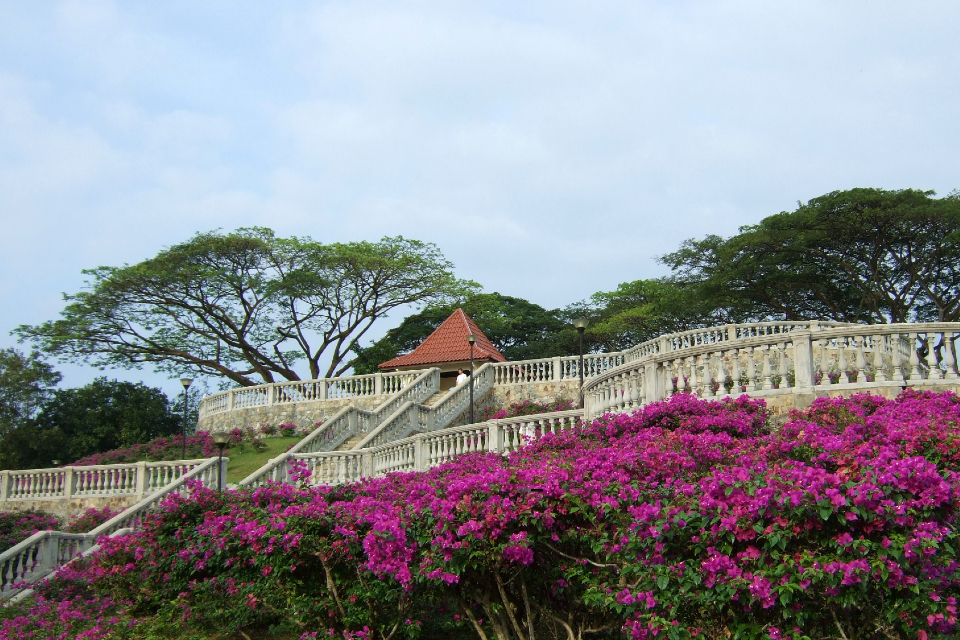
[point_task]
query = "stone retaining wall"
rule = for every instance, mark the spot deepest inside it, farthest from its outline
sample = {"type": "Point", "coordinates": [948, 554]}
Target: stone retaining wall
{"type": "Point", "coordinates": [303, 414]}
{"type": "Point", "coordinates": [66, 508]}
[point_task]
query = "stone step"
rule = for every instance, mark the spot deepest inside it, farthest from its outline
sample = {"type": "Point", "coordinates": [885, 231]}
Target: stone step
{"type": "Point", "coordinates": [435, 398]}
{"type": "Point", "coordinates": [351, 442]}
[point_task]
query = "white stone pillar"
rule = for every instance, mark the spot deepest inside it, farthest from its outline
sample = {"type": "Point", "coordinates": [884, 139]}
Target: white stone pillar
{"type": "Point", "coordinates": [378, 383]}
{"type": "Point", "coordinates": [555, 365]}
{"type": "Point", "coordinates": [802, 360]}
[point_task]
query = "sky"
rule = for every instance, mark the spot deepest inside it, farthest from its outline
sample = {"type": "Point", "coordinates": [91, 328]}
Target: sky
{"type": "Point", "coordinates": [550, 149]}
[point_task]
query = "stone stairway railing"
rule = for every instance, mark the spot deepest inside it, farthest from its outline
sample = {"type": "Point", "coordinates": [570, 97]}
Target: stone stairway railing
{"type": "Point", "coordinates": [40, 554]}
{"type": "Point", "coordinates": [136, 479]}
{"type": "Point", "coordinates": [413, 416]}
{"type": "Point", "coordinates": [771, 359]}
{"type": "Point", "coordinates": [276, 393]}
{"type": "Point", "coordinates": [350, 421]}
{"type": "Point", "coordinates": [422, 451]}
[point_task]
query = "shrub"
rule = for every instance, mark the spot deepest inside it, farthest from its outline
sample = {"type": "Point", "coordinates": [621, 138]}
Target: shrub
{"type": "Point", "coordinates": [90, 520]}
{"type": "Point", "coordinates": [687, 519]}
{"type": "Point", "coordinates": [524, 408]}
{"type": "Point", "coordinates": [17, 526]}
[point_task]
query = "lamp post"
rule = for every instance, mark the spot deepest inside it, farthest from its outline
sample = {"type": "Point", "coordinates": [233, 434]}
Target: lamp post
{"type": "Point", "coordinates": [220, 438]}
{"type": "Point", "coordinates": [472, 339]}
{"type": "Point", "coordinates": [186, 382]}
{"type": "Point", "coordinates": [581, 325]}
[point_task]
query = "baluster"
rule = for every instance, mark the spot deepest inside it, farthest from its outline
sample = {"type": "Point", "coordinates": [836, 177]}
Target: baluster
{"type": "Point", "coordinates": [859, 343]}
{"type": "Point", "coordinates": [737, 389]}
{"type": "Point", "coordinates": [751, 370]}
{"type": "Point", "coordinates": [914, 359]}
{"type": "Point", "coordinates": [766, 372]}
{"type": "Point", "coordinates": [896, 359]}
{"type": "Point", "coordinates": [842, 361]}
{"type": "Point", "coordinates": [694, 381]}
{"type": "Point", "coordinates": [721, 375]}
{"type": "Point", "coordinates": [822, 369]}
{"type": "Point", "coordinates": [948, 355]}
{"type": "Point", "coordinates": [878, 373]}
{"type": "Point", "coordinates": [934, 367]}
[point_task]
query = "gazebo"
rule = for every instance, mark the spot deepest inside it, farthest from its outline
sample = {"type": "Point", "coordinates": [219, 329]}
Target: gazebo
{"type": "Point", "coordinates": [448, 349]}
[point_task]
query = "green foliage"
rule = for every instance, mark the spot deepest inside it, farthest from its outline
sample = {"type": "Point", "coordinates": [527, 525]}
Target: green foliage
{"type": "Point", "coordinates": [103, 415]}
{"type": "Point", "coordinates": [519, 329]}
{"type": "Point", "coordinates": [245, 304]}
{"type": "Point", "coordinates": [863, 255]}
{"type": "Point", "coordinates": [25, 383]}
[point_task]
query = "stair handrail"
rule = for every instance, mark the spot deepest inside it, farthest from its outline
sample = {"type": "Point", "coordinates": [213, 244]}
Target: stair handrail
{"type": "Point", "coordinates": [41, 553]}
{"type": "Point", "coordinates": [345, 423]}
{"type": "Point", "coordinates": [439, 416]}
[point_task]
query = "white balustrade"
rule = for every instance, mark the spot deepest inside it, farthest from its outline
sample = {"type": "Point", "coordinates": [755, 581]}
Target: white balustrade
{"type": "Point", "coordinates": [40, 554]}
{"type": "Point", "coordinates": [339, 388]}
{"type": "Point", "coordinates": [93, 480]}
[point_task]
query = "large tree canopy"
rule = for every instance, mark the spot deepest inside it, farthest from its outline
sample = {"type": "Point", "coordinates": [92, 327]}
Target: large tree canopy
{"type": "Point", "coordinates": [245, 304]}
{"type": "Point", "coordinates": [863, 255]}
{"type": "Point", "coordinates": [100, 416]}
{"type": "Point", "coordinates": [519, 329]}
{"type": "Point", "coordinates": [25, 383]}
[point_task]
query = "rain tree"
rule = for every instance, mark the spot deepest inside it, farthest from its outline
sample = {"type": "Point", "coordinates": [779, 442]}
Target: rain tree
{"type": "Point", "coordinates": [247, 306]}
{"type": "Point", "coordinates": [863, 255]}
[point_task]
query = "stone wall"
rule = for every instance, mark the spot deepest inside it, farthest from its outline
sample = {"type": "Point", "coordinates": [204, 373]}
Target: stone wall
{"type": "Point", "coordinates": [65, 508]}
{"type": "Point", "coordinates": [507, 394]}
{"type": "Point", "coordinates": [302, 414]}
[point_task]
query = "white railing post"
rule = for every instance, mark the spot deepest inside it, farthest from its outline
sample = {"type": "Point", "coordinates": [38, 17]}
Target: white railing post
{"type": "Point", "coordinates": [366, 464]}
{"type": "Point", "coordinates": [269, 394]}
{"type": "Point", "coordinates": [555, 363]}
{"type": "Point", "coordinates": [68, 483]}
{"type": "Point", "coordinates": [4, 485]}
{"type": "Point", "coordinates": [802, 360]}
{"type": "Point", "coordinates": [494, 437]}
{"type": "Point", "coordinates": [323, 388]}
{"type": "Point", "coordinates": [141, 479]}
{"type": "Point", "coordinates": [419, 453]}
{"type": "Point", "coordinates": [378, 384]}
{"type": "Point", "coordinates": [230, 400]}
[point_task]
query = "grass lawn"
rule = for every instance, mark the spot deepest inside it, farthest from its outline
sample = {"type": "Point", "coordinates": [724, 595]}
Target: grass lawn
{"type": "Point", "coordinates": [243, 464]}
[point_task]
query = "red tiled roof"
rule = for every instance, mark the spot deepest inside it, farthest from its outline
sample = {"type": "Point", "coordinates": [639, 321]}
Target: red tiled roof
{"type": "Point", "coordinates": [449, 344]}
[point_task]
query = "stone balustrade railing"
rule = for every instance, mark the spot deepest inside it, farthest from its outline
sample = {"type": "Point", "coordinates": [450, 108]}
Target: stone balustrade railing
{"type": "Point", "coordinates": [422, 451]}
{"type": "Point", "coordinates": [374, 384]}
{"type": "Point", "coordinates": [413, 416]}
{"type": "Point", "coordinates": [555, 369]}
{"type": "Point", "coordinates": [767, 359]}
{"type": "Point", "coordinates": [69, 482]}
{"type": "Point", "coordinates": [40, 554]}
{"type": "Point", "coordinates": [350, 421]}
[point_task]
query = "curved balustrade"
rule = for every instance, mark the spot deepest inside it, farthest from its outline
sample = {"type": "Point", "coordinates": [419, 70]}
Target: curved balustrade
{"type": "Point", "coordinates": [348, 422]}
{"type": "Point", "coordinates": [44, 551]}
{"type": "Point", "coordinates": [765, 358]}
{"type": "Point", "coordinates": [93, 480]}
{"type": "Point", "coordinates": [278, 393]}
{"type": "Point", "coordinates": [555, 369]}
{"type": "Point", "coordinates": [422, 451]}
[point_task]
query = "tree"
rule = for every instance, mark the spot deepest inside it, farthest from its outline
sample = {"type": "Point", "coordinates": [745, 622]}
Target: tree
{"type": "Point", "coordinates": [25, 383]}
{"type": "Point", "coordinates": [103, 415]}
{"type": "Point", "coordinates": [519, 329]}
{"type": "Point", "coordinates": [245, 304]}
{"type": "Point", "coordinates": [863, 255]}
{"type": "Point", "coordinates": [646, 309]}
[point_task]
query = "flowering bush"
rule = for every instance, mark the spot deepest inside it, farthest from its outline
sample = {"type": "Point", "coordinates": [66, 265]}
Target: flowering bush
{"type": "Point", "coordinates": [524, 408]}
{"type": "Point", "coordinates": [20, 525]}
{"type": "Point", "coordinates": [687, 519]}
{"type": "Point", "coordinates": [89, 520]}
{"type": "Point", "coordinates": [170, 448]}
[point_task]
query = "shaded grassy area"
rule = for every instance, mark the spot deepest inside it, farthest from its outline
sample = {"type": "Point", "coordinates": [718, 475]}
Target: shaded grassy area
{"type": "Point", "coordinates": [243, 464]}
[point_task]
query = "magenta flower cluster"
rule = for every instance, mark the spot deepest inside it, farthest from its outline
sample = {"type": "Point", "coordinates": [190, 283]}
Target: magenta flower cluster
{"type": "Point", "coordinates": [687, 519]}
{"type": "Point", "coordinates": [16, 526]}
{"type": "Point", "coordinates": [523, 408]}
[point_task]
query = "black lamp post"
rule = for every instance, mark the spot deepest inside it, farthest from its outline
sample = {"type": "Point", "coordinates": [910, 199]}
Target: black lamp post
{"type": "Point", "coordinates": [581, 325]}
{"type": "Point", "coordinates": [186, 382]}
{"type": "Point", "coordinates": [220, 438]}
{"type": "Point", "coordinates": [472, 339]}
